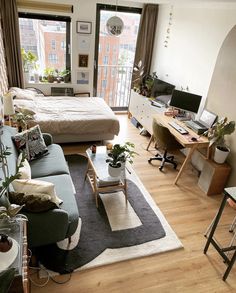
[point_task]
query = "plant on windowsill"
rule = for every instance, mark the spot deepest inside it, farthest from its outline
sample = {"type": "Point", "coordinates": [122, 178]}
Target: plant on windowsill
{"type": "Point", "coordinates": [118, 155]}
{"type": "Point", "coordinates": [49, 75]}
{"type": "Point", "coordinates": [216, 135]}
{"type": "Point", "coordinates": [29, 60]}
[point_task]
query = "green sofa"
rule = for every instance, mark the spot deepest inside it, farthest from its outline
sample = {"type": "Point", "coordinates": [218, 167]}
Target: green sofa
{"type": "Point", "coordinates": [53, 225]}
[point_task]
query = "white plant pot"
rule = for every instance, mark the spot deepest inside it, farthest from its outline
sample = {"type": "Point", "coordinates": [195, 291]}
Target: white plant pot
{"type": "Point", "coordinates": [36, 77]}
{"type": "Point", "coordinates": [220, 156]}
{"type": "Point", "coordinates": [26, 77]}
{"type": "Point", "coordinates": [114, 172]}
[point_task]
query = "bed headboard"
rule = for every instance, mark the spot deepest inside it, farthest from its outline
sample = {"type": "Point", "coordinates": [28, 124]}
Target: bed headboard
{"type": "Point", "coordinates": [3, 70]}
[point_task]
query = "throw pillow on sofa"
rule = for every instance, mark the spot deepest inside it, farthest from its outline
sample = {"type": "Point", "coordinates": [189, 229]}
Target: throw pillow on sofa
{"type": "Point", "coordinates": [24, 170]}
{"type": "Point", "coordinates": [33, 186]}
{"type": "Point", "coordinates": [31, 142]}
{"type": "Point", "coordinates": [34, 203]}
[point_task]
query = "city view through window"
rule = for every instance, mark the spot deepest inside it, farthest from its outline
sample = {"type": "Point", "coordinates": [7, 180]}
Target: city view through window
{"type": "Point", "coordinates": [46, 40]}
{"type": "Point", "coordinates": [116, 58]}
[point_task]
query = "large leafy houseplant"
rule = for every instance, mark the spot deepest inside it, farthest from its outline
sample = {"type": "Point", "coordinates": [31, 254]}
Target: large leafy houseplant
{"type": "Point", "coordinates": [11, 210]}
{"type": "Point", "coordinates": [216, 135]}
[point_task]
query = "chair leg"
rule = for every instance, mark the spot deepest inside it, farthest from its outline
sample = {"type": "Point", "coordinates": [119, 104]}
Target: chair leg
{"type": "Point", "coordinates": [164, 159]}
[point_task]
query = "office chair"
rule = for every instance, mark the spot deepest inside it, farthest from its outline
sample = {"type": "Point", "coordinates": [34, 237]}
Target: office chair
{"type": "Point", "coordinates": [167, 142]}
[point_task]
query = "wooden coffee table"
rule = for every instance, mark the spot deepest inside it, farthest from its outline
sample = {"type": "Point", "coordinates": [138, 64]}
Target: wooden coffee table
{"type": "Point", "coordinates": [97, 174]}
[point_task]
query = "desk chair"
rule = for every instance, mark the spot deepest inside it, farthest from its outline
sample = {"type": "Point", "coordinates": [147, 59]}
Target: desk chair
{"type": "Point", "coordinates": [167, 142]}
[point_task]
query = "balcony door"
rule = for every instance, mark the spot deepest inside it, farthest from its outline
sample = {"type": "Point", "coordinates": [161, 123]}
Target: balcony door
{"type": "Point", "coordinates": [114, 55]}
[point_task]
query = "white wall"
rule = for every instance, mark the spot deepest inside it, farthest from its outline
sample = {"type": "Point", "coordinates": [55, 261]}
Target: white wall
{"type": "Point", "coordinates": [84, 10]}
{"type": "Point", "coordinates": [196, 35]}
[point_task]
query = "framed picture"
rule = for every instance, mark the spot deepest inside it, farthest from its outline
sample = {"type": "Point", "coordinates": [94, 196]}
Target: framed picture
{"type": "Point", "coordinates": [83, 60]}
{"type": "Point", "coordinates": [82, 77]}
{"type": "Point", "coordinates": [84, 27]}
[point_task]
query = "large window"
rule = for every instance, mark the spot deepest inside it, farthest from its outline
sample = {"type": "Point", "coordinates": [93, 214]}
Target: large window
{"type": "Point", "coordinates": [40, 35]}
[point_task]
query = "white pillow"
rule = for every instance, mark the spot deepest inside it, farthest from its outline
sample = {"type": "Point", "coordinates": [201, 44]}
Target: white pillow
{"type": "Point", "coordinates": [25, 170]}
{"type": "Point", "coordinates": [22, 93]}
{"type": "Point", "coordinates": [33, 186]}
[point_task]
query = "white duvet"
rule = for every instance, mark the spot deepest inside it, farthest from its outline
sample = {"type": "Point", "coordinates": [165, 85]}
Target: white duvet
{"type": "Point", "coordinates": [71, 115]}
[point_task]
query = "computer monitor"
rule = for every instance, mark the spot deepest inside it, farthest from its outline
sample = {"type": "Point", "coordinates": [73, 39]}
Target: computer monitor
{"type": "Point", "coordinates": [185, 101]}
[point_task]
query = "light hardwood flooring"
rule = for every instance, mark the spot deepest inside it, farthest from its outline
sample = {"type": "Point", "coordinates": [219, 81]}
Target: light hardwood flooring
{"type": "Point", "coordinates": [188, 210]}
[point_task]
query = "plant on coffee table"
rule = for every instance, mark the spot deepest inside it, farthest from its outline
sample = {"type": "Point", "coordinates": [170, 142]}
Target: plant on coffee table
{"type": "Point", "coordinates": [118, 155]}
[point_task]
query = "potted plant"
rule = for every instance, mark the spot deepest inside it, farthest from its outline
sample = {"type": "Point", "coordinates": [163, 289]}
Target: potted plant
{"type": "Point", "coordinates": [29, 62]}
{"type": "Point", "coordinates": [49, 74]}
{"type": "Point", "coordinates": [216, 136]}
{"type": "Point", "coordinates": [118, 155]}
{"type": "Point", "coordinates": [21, 119]}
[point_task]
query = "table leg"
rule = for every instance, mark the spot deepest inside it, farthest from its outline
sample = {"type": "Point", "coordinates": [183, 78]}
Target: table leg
{"type": "Point", "coordinates": [217, 219]}
{"type": "Point", "coordinates": [229, 266]}
{"type": "Point", "coordinates": [188, 157]}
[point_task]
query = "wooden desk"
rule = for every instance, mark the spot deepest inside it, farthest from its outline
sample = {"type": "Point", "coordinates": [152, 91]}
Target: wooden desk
{"type": "Point", "coordinates": [184, 139]}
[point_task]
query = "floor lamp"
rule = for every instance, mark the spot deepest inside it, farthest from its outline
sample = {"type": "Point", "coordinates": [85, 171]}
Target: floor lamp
{"type": "Point", "coordinates": [8, 106]}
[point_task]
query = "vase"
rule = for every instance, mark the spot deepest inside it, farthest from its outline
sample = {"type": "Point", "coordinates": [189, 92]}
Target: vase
{"type": "Point", "coordinates": [221, 154]}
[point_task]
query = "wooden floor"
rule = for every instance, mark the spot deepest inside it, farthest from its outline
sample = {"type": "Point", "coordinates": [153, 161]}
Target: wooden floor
{"type": "Point", "coordinates": [188, 210]}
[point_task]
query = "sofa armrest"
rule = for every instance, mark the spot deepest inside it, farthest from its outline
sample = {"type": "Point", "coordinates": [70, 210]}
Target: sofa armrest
{"type": "Point", "coordinates": [47, 227]}
{"type": "Point", "coordinates": [47, 138]}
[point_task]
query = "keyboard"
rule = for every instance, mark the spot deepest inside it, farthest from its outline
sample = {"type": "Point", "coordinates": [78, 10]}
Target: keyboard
{"type": "Point", "coordinates": [177, 127]}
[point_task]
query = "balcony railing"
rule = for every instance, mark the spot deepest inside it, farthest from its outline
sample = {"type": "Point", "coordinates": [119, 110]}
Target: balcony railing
{"type": "Point", "coordinates": [114, 82]}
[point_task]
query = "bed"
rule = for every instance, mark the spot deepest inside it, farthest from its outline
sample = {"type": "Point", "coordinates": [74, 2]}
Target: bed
{"type": "Point", "coordinates": [70, 119]}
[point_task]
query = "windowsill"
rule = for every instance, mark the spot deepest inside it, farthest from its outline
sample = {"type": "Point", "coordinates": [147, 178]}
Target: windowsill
{"type": "Point", "coordinates": [41, 83]}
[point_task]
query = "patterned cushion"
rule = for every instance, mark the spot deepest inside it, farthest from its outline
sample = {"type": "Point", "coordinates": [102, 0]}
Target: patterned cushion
{"type": "Point", "coordinates": [31, 142]}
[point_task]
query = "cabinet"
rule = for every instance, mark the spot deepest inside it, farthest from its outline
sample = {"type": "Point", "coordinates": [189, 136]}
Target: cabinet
{"type": "Point", "coordinates": [140, 107]}
{"type": "Point", "coordinates": [213, 177]}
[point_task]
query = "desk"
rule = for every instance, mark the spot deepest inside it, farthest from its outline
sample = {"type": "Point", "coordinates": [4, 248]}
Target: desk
{"type": "Point", "coordinates": [184, 139]}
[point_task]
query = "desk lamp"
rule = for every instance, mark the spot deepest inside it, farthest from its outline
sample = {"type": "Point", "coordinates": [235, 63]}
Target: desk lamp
{"type": "Point", "coordinates": [8, 106]}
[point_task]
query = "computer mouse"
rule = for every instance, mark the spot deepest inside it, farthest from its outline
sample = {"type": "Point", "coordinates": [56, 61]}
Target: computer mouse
{"type": "Point", "coordinates": [193, 139]}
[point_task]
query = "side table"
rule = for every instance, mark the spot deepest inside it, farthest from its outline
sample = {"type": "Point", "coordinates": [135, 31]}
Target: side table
{"type": "Point", "coordinates": [228, 193]}
{"type": "Point", "coordinates": [18, 231]}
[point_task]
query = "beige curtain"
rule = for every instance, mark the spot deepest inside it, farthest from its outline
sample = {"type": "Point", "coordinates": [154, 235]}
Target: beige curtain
{"type": "Point", "coordinates": [146, 37]}
{"type": "Point", "coordinates": [11, 41]}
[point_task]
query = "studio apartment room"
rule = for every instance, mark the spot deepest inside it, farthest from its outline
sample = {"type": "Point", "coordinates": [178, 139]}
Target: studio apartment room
{"type": "Point", "coordinates": [117, 146]}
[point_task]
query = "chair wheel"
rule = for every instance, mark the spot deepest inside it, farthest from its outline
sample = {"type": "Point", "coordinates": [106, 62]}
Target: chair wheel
{"type": "Point", "coordinates": [175, 166]}
{"type": "Point", "coordinates": [149, 161]}
{"type": "Point", "coordinates": [160, 168]}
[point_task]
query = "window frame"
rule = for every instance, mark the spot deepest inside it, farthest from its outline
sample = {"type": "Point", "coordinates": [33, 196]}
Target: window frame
{"type": "Point", "coordinates": [66, 19]}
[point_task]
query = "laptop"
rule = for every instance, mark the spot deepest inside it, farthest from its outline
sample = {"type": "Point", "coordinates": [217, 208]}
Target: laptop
{"type": "Point", "coordinates": [205, 121]}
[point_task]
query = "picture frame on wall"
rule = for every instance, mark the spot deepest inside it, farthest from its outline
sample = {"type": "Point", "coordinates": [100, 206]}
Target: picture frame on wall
{"type": "Point", "coordinates": [83, 60]}
{"type": "Point", "coordinates": [83, 27]}
{"type": "Point", "coordinates": [82, 77]}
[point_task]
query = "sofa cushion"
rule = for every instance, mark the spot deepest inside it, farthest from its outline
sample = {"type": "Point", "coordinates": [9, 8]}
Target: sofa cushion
{"type": "Point", "coordinates": [24, 170]}
{"type": "Point", "coordinates": [29, 186]}
{"type": "Point", "coordinates": [31, 142]}
{"type": "Point", "coordinates": [34, 202]}
{"type": "Point", "coordinates": [65, 191]}
{"type": "Point", "coordinates": [52, 164]}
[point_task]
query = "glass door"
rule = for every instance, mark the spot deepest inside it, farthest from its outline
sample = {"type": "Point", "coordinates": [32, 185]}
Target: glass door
{"type": "Point", "coordinates": [114, 55]}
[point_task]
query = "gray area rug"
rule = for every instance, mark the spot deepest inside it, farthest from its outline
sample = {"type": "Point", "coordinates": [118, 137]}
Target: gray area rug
{"type": "Point", "coordinates": [97, 235]}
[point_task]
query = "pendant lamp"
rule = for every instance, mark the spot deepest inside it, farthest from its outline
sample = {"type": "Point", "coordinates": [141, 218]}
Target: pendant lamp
{"type": "Point", "coordinates": [115, 25]}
